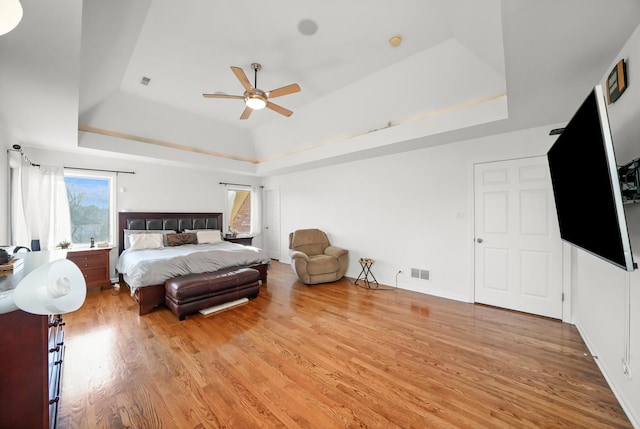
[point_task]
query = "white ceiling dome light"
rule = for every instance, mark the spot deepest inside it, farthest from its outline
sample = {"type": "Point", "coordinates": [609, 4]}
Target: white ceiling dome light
{"type": "Point", "coordinates": [10, 15]}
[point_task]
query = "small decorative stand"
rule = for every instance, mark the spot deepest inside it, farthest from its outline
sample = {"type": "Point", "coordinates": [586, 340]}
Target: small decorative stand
{"type": "Point", "coordinates": [366, 272]}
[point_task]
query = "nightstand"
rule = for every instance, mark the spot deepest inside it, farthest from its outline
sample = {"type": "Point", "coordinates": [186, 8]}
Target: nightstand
{"type": "Point", "coordinates": [245, 240]}
{"type": "Point", "coordinates": [94, 264]}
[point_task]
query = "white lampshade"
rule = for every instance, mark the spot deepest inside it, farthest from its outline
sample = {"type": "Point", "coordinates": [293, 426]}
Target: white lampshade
{"type": "Point", "coordinates": [10, 15]}
{"type": "Point", "coordinates": [7, 304]}
{"type": "Point", "coordinates": [57, 287]}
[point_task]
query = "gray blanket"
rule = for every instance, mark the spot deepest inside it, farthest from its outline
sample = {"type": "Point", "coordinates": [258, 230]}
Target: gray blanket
{"type": "Point", "coordinates": [154, 266]}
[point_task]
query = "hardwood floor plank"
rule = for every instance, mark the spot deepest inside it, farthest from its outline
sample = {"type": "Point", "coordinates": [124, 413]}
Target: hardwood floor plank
{"type": "Point", "coordinates": [328, 356]}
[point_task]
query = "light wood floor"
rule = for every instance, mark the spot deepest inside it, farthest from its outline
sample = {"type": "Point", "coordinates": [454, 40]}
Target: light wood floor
{"type": "Point", "coordinates": [328, 356]}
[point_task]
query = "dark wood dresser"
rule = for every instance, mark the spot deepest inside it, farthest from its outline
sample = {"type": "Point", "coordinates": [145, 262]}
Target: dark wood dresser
{"type": "Point", "coordinates": [32, 355]}
{"type": "Point", "coordinates": [94, 264]}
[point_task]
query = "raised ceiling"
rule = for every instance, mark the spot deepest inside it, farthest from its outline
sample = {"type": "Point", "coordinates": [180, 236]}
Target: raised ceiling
{"type": "Point", "coordinates": [71, 75]}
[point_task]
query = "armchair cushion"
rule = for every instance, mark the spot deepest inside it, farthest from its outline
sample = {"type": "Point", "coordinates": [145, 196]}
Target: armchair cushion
{"type": "Point", "coordinates": [322, 264]}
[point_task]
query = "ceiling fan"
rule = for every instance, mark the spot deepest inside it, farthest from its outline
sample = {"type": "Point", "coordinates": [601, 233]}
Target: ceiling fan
{"type": "Point", "coordinates": [254, 98]}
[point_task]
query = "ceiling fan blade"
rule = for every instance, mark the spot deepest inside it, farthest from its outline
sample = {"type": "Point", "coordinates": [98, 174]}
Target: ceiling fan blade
{"type": "Point", "coordinates": [279, 109]}
{"type": "Point", "coordinates": [242, 77]}
{"type": "Point", "coordinates": [222, 96]}
{"type": "Point", "coordinates": [246, 113]}
{"type": "Point", "coordinates": [285, 90]}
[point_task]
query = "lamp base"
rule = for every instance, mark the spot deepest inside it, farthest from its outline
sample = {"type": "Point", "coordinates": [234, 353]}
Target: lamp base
{"type": "Point", "coordinates": [7, 303]}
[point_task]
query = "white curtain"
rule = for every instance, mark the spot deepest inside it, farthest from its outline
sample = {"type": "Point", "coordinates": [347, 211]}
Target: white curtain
{"type": "Point", "coordinates": [19, 232]}
{"type": "Point", "coordinates": [227, 210]}
{"type": "Point", "coordinates": [39, 206]}
{"type": "Point", "coordinates": [256, 210]}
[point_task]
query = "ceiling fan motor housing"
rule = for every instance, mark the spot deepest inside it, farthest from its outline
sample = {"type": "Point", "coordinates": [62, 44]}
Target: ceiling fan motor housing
{"type": "Point", "coordinates": [255, 98]}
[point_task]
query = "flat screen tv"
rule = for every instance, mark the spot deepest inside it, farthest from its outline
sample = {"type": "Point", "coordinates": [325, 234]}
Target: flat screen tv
{"type": "Point", "coordinates": [586, 187]}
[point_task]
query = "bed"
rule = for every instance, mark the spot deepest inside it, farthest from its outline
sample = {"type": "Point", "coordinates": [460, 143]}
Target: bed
{"type": "Point", "coordinates": [145, 267]}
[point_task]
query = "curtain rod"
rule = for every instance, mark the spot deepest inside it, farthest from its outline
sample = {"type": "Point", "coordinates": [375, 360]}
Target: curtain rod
{"type": "Point", "coordinates": [17, 148]}
{"type": "Point", "coordinates": [98, 169]}
{"type": "Point", "coordinates": [238, 184]}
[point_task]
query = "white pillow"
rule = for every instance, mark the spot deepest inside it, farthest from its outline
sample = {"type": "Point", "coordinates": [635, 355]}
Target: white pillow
{"type": "Point", "coordinates": [146, 241]}
{"type": "Point", "coordinates": [208, 236]}
{"type": "Point", "coordinates": [129, 232]}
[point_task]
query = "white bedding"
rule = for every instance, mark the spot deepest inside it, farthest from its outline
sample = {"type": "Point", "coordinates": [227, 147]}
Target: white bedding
{"type": "Point", "coordinates": [153, 266]}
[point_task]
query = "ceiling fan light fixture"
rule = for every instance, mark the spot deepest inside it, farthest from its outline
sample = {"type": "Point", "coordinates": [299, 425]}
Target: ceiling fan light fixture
{"type": "Point", "coordinates": [256, 103]}
{"type": "Point", "coordinates": [255, 99]}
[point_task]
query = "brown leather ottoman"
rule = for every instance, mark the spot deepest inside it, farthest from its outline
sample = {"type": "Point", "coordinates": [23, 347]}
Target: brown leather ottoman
{"type": "Point", "coordinates": [194, 292]}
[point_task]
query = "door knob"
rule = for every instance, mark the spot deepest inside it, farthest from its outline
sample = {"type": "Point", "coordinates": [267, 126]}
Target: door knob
{"type": "Point", "coordinates": [479, 240]}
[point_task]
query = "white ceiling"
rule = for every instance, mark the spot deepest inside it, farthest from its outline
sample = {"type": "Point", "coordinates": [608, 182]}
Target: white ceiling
{"type": "Point", "coordinates": [71, 71]}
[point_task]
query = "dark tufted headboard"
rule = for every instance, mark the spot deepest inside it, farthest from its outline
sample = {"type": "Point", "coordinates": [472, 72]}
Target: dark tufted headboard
{"type": "Point", "coordinates": [165, 220]}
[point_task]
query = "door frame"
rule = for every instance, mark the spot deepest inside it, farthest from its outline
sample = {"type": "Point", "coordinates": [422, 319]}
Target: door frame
{"type": "Point", "coordinates": [265, 218]}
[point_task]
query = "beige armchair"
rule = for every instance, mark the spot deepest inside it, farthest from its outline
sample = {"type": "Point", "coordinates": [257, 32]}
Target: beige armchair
{"type": "Point", "coordinates": [314, 259]}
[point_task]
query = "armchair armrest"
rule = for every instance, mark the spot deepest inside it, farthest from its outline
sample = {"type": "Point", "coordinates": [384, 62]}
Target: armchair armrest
{"type": "Point", "coordinates": [295, 254]}
{"type": "Point", "coordinates": [336, 252]}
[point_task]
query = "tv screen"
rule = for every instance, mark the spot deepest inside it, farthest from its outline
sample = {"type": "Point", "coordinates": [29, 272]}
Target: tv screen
{"type": "Point", "coordinates": [586, 187]}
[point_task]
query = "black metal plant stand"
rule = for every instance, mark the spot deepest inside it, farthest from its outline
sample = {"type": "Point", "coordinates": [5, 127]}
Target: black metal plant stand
{"type": "Point", "coordinates": [366, 272]}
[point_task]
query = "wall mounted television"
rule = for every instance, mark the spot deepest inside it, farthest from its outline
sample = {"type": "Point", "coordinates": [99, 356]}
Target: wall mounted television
{"type": "Point", "coordinates": [586, 186]}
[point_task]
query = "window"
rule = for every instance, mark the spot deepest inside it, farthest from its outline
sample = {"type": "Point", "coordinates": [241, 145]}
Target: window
{"type": "Point", "coordinates": [91, 206]}
{"type": "Point", "coordinates": [239, 210]}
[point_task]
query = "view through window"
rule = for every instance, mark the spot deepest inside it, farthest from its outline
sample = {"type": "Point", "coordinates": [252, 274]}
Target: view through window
{"type": "Point", "coordinates": [90, 204]}
{"type": "Point", "coordinates": [239, 210]}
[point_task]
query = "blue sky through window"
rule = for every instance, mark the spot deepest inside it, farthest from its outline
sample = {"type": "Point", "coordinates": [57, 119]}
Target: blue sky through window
{"type": "Point", "coordinates": [96, 191]}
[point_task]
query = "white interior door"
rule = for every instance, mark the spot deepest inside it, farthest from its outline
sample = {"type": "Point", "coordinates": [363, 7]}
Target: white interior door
{"type": "Point", "coordinates": [518, 250]}
{"type": "Point", "coordinates": [272, 223]}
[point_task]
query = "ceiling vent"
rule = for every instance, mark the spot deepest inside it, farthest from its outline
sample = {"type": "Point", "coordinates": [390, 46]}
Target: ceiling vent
{"type": "Point", "coordinates": [145, 80]}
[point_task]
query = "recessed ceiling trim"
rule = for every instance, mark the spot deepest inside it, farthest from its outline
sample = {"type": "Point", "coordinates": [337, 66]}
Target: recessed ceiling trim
{"type": "Point", "coordinates": [414, 118]}
{"type": "Point", "coordinates": [126, 136]}
{"type": "Point", "coordinates": [307, 147]}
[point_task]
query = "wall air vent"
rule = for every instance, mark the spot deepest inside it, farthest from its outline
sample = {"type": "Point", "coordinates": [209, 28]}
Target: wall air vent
{"type": "Point", "coordinates": [420, 273]}
{"type": "Point", "coordinates": [145, 80]}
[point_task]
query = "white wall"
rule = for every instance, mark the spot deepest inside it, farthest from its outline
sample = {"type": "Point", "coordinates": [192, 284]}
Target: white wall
{"type": "Point", "coordinates": [600, 301]}
{"type": "Point", "coordinates": [409, 210]}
